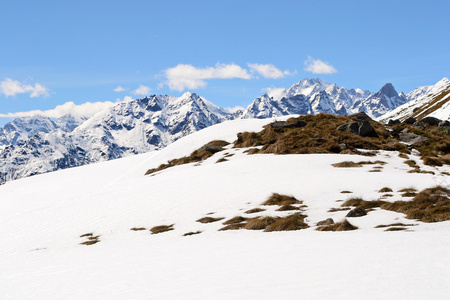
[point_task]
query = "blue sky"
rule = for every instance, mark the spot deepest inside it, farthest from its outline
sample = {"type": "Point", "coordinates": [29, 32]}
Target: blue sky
{"type": "Point", "coordinates": [67, 53]}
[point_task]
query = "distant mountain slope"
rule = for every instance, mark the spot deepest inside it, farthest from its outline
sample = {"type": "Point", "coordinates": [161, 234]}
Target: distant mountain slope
{"type": "Point", "coordinates": [127, 128]}
{"type": "Point", "coordinates": [433, 101]}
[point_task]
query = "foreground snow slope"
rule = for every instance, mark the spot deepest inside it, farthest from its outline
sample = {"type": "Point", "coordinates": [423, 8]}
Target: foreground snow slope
{"type": "Point", "coordinates": [42, 218]}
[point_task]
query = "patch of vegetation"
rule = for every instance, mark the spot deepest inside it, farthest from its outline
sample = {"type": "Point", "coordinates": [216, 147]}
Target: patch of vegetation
{"type": "Point", "coordinates": [394, 225]}
{"type": "Point", "coordinates": [314, 134]}
{"type": "Point", "coordinates": [288, 207]}
{"type": "Point", "coordinates": [334, 209]}
{"type": "Point", "coordinates": [278, 199]}
{"type": "Point", "coordinates": [347, 164]}
{"type": "Point", "coordinates": [430, 205]}
{"type": "Point", "coordinates": [407, 190]}
{"type": "Point", "coordinates": [254, 210]}
{"type": "Point", "coordinates": [385, 190]}
{"type": "Point", "coordinates": [209, 220]}
{"type": "Point", "coordinates": [259, 223]}
{"type": "Point", "coordinates": [341, 226]}
{"type": "Point", "coordinates": [91, 239]}
{"type": "Point", "coordinates": [403, 155]}
{"type": "Point", "coordinates": [138, 228]}
{"type": "Point", "coordinates": [198, 155]}
{"type": "Point", "coordinates": [346, 192]}
{"type": "Point", "coordinates": [289, 223]}
{"type": "Point", "coordinates": [87, 234]}
{"type": "Point", "coordinates": [235, 220]}
{"type": "Point", "coordinates": [192, 233]}
{"type": "Point", "coordinates": [161, 228]}
{"type": "Point", "coordinates": [221, 160]}
{"type": "Point", "coordinates": [395, 229]}
{"type": "Point", "coordinates": [233, 227]}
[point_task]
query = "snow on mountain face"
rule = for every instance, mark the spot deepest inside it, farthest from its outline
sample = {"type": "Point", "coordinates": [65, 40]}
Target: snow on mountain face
{"type": "Point", "coordinates": [435, 102]}
{"type": "Point", "coordinates": [21, 129]}
{"type": "Point", "coordinates": [313, 96]}
{"type": "Point", "coordinates": [382, 102]}
{"type": "Point", "coordinates": [127, 128]}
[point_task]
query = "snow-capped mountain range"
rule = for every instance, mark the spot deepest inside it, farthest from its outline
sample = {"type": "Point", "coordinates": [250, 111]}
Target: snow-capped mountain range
{"type": "Point", "coordinates": [35, 145]}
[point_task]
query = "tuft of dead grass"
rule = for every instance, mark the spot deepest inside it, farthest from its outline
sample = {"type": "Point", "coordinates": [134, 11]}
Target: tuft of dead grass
{"type": "Point", "coordinates": [259, 223]}
{"type": "Point", "coordinates": [347, 164]}
{"type": "Point", "coordinates": [289, 223]}
{"type": "Point", "coordinates": [344, 225]}
{"type": "Point", "coordinates": [385, 190]}
{"type": "Point", "coordinates": [346, 192]}
{"type": "Point", "coordinates": [278, 199]}
{"type": "Point", "coordinates": [233, 227]}
{"type": "Point", "coordinates": [209, 220]}
{"type": "Point", "coordinates": [87, 234]}
{"type": "Point", "coordinates": [395, 229]}
{"type": "Point", "coordinates": [254, 210]}
{"type": "Point", "coordinates": [161, 228]}
{"type": "Point", "coordinates": [138, 228]}
{"type": "Point", "coordinates": [394, 225]}
{"type": "Point", "coordinates": [192, 233]}
{"type": "Point", "coordinates": [235, 220]}
{"type": "Point", "coordinates": [198, 155]}
{"type": "Point", "coordinates": [288, 207]}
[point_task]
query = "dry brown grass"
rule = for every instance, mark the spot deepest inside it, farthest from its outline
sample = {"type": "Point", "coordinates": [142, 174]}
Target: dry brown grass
{"type": "Point", "coordinates": [254, 210]}
{"type": "Point", "coordinates": [192, 233]}
{"type": "Point", "coordinates": [407, 190]}
{"type": "Point", "coordinates": [347, 164]}
{"type": "Point", "coordinates": [289, 223]}
{"type": "Point", "coordinates": [87, 234]}
{"type": "Point", "coordinates": [334, 209]}
{"type": "Point", "coordinates": [233, 227]}
{"type": "Point", "coordinates": [394, 225]}
{"type": "Point", "coordinates": [235, 220]}
{"type": "Point", "coordinates": [395, 229]}
{"type": "Point", "coordinates": [209, 220]}
{"type": "Point", "coordinates": [385, 190]}
{"type": "Point", "coordinates": [403, 155]}
{"type": "Point", "coordinates": [341, 226]}
{"type": "Point", "coordinates": [430, 205]}
{"type": "Point", "coordinates": [346, 192]}
{"type": "Point", "coordinates": [259, 223]}
{"type": "Point", "coordinates": [221, 160]}
{"type": "Point", "coordinates": [138, 228]}
{"type": "Point", "coordinates": [200, 154]}
{"type": "Point", "coordinates": [288, 208]}
{"type": "Point", "coordinates": [161, 228]}
{"type": "Point", "coordinates": [278, 199]}
{"type": "Point", "coordinates": [91, 242]}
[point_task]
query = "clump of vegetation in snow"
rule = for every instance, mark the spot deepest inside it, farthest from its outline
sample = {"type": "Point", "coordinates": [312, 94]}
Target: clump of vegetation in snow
{"type": "Point", "coordinates": [209, 220]}
{"type": "Point", "coordinates": [430, 205]}
{"type": "Point", "coordinates": [161, 228]}
{"type": "Point", "coordinates": [344, 225]}
{"type": "Point", "coordinates": [200, 154]}
{"type": "Point", "coordinates": [91, 239]}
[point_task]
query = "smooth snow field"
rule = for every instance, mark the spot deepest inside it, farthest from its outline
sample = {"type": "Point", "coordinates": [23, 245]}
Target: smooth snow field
{"type": "Point", "coordinates": [42, 218]}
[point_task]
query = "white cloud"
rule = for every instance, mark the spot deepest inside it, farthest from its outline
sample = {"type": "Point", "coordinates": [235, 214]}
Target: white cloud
{"type": "Point", "coordinates": [87, 109]}
{"type": "Point", "coordinates": [276, 93]}
{"type": "Point", "coordinates": [119, 89]}
{"type": "Point", "coordinates": [189, 77]}
{"type": "Point", "coordinates": [268, 71]}
{"type": "Point", "coordinates": [318, 66]}
{"type": "Point", "coordinates": [142, 90]}
{"type": "Point", "coordinates": [10, 87]}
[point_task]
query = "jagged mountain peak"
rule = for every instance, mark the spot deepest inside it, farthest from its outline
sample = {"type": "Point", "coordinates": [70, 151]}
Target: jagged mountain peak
{"type": "Point", "coordinates": [388, 90]}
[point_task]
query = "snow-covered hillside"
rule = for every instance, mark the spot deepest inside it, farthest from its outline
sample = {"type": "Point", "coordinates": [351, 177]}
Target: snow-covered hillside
{"type": "Point", "coordinates": [431, 101]}
{"type": "Point", "coordinates": [45, 218]}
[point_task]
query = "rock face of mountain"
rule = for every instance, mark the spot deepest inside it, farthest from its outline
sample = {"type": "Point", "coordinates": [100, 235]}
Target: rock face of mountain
{"type": "Point", "coordinates": [127, 128]}
{"type": "Point", "coordinates": [433, 101]}
{"type": "Point", "coordinates": [313, 96]}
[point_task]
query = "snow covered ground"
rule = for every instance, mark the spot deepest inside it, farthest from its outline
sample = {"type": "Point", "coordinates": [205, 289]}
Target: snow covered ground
{"type": "Point", "coordinates": [42, 218]}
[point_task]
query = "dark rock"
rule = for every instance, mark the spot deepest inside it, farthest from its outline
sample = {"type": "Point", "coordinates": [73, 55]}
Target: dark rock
{"type": "Point", "coordinates": [393, 122]}
{"type": "Point", "coordinates": [357, 212]}
{"type": "Point", "coordinates": [362, 116]}
{"type": "Point", "coordinates": [411, 138]}
{"type": "Point", "coordinates": [410, 120]}
{"type": "Point", "coordinates": [419, 124]}
{"type": "Point", "coordinates": [444, 124]}
{"type": "Point", "coordinates": [431, 121]}
{"type": "Point", "coordinates": [361, 128]}
{"type": "Point", "coordinates": [328, 221]}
